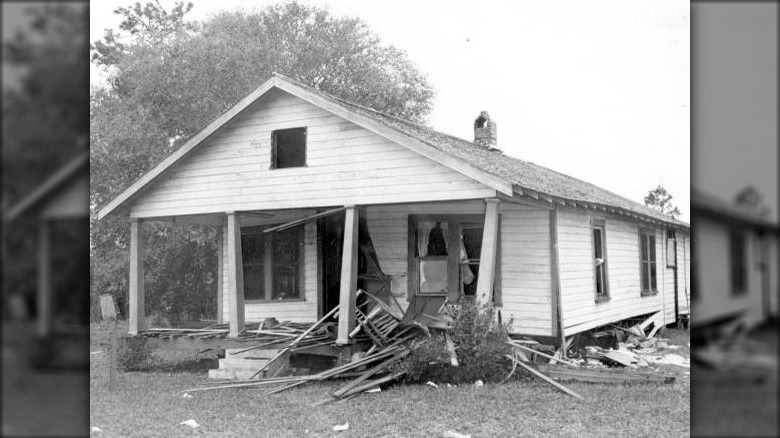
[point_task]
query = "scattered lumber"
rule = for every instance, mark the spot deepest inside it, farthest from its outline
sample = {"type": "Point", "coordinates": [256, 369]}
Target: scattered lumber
{"type": "Point", "coordinates": [545, 378]}
{"type": "Point", "coordinates": [604, 375]}
{"type": "Point", "coordinates": [531, 350]}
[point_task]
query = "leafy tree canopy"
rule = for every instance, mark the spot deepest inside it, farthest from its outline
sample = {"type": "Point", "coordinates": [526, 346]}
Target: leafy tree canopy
{"type": "Point", "coordinates": [661, 200]}
{"type": "Point", "coordinates": [751, 200]}
{"type": "Point", "coordinates": [169, 76]}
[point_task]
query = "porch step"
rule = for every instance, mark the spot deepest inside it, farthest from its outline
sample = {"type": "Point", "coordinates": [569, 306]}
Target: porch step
{"type": "Point", "coordinates": [241, 367]}
{"type": "Point", "coordinates": [251, 354]}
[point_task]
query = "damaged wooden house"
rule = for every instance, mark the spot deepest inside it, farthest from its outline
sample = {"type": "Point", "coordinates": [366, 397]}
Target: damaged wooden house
{"type": "Point", "coordinates": [736, 275]}
{"type": "Point", "coordinates": [317, 197]}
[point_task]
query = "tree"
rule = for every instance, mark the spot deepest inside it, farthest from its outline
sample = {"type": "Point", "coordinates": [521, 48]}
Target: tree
{"type": "Point", "coordinates": [168, 77]}
{"type": "Point", "coordinates": [661, 200]}
{"type": "Point", "coordinates": [752, 200]}
{"type": "Point", "coordinates": [44, 124]}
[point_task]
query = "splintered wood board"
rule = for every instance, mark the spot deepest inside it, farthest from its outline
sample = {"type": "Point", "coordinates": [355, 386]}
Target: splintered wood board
{"type": "Point", "coordinates": [598, 375]}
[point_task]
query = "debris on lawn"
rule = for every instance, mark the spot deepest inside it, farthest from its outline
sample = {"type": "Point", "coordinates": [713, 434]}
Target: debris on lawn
{"type": "Point", "coordinates": [186, 395]}
{"type": "Point", "coordinates": [341, 427]}
{"type": "Point", "coordinates": [191, 423]}
{"type": "Point", "coordinates": [479, 383]}
{"type": "Point", "coordinates": [429, 383]}
{"type": "Point", "coordinates": [95, 429]}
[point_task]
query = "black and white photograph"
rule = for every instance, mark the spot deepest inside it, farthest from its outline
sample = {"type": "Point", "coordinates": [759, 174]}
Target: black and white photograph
{"type": "Point", "coordinates": [335, 218]}
{"type": "Point", "coordinates": [326, 218]}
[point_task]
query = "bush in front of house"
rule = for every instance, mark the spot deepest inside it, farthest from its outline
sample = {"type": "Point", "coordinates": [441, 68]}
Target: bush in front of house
{"type": "Point", "coordinates": [480, 346]}
{"type": "Point", "coordinates": [135, 353]}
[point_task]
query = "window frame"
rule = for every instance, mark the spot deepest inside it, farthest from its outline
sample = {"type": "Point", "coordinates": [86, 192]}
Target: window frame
{"type": "Point", "coordinates": [601, 225]}
{"type": "Point", "coordinates": [742, 262]}
{"type": "Point", "coordinates": [455, 222]}
{"type": "Point", "coordinates": [268, 263]}
{"type": "Point", "coordinates": [274, 155]}
{"type": "Point", "coordinates": [648, 233]}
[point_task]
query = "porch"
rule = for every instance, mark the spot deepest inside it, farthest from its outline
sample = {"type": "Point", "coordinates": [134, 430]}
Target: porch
{"type": "Point", "coordinates": [299, 265]}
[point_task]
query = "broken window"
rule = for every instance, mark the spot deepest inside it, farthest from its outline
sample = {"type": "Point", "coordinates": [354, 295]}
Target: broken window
{"type": "Point", "coordinates": [273, 264]}
{"type": "Point", "coordinates": [288, 148]}
{"type": "Point", "coordinates": [738, 255]}
{"type": "Point", "coordinates": [647, 261]}
{"type": "Point", "coordinates": [445, 255]}
{"type": "Point", "coordinates": [432, 256]}
{"type": "Point", "coordinates": [671, 250]}
{"type": "Point", "coordinates": [600, 260]}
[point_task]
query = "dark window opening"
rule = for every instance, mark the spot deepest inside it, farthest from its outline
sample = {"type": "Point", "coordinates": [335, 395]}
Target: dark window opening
{"type": "Point", "coordinates": [648, 262]}
{"type": "Point", "coordinates": [288, 148]}
{"type": "Point", "coordinates": [273, 264]}
{"type": "Point", "coordinates": [600, 261]}
{"type": "Point", "coordinates": [738, 263]}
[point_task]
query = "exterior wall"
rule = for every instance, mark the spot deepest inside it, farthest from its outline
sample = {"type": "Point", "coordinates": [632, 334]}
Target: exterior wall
{"type": "Point", "coordinates": [295, 311]}
{"type": "Point", "coordinates": [71, 201]}
{"type": "Point", "coordinates": [684, 273]}
{"type": "Point", "coordinates": [580, 310]}
{"type": "Point", "coordinates": [715, 300]}
{"type": "Point", "coordinates": [345, 164]}
{"type": "Point", "coordinates": [526, 276]}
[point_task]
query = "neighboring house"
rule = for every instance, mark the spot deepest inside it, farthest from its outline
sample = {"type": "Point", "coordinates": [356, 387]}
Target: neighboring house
{"type": "Point", "coordinates": [60, 205]}
{"type": "Point", "coordinates": [736, 265]}
{"type": "Point", "coordinates": [443, 217]}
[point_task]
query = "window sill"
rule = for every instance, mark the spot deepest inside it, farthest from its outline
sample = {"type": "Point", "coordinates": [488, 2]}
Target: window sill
{"type": "Point", "coordinates": [294, 300]}
{"type": "Point", "coordinates": [602, 299]}
{"type": "Point", "coordinates": [649, 293]}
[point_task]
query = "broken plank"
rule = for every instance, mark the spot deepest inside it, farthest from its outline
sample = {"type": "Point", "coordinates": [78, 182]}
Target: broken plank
{"type": "Point", "coordinates": [598, 375]}
{"type": "Point", "coordinates": [545, 378]}
{"type": "Point", "coordinates": [617, 357]}
{"type": "Point", "coordinates": [531, 350]}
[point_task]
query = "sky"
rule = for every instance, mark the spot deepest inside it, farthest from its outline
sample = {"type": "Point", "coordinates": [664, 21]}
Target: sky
{"type": "Point", "coordinates": [735, 99]}
{"type": "Point", "coordinates": [598, 90]}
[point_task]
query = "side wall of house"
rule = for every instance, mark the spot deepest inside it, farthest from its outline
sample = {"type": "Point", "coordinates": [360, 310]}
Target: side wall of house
{"type": "Point", "coordinates": [580, 310]}
{"type": "Point", "coordinates": [295, 311]}
{"type": "Point", "coordinates": [683, 273]}
{"type": "Point", "coordinates": [345, 164]}
{"type": "Point", "coordinates": [715, 299]}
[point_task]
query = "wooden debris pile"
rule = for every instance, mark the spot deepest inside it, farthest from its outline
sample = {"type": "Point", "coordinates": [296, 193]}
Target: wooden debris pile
{"type": "Point", "coordinates": [377, 322]}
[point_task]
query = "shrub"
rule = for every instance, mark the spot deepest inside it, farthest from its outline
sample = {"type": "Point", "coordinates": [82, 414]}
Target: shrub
{"type": "Point", "coordinates": [135, 354]}
{"type": "Point", "coordinates": [480, 345]}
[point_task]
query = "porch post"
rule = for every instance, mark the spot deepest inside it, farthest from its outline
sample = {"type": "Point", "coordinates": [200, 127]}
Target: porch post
{"type": "Point", "coordinates": [235, 275]}
{"type": "Point", "coordinates": [220, 271]}
{"type": "Point", "coordinates": [137, 313]}
{"type": "Point", "coordinates": [349, 261]}
{"type": "Point", "coordinates": [44, 279]}
{"type": "Point", "coordinates": [487, 257]}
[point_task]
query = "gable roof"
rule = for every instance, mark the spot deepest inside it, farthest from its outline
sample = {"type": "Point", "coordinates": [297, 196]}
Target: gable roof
{"type": "Point", "coordinates": [49, 187]}
{"type": "Point", "coordinates": [508, 175]}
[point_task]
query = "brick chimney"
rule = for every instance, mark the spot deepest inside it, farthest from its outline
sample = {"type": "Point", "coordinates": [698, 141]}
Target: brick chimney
{"type": "Point", "coordinates": [485, 131]}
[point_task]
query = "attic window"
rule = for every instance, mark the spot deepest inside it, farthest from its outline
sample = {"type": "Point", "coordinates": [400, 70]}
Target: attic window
{"type": "Point", "coordinates": [288, 148]}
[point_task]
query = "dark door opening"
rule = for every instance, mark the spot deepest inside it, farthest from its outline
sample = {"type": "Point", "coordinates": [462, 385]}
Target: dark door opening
{"type": "Point", "coordinates": [330, 230]}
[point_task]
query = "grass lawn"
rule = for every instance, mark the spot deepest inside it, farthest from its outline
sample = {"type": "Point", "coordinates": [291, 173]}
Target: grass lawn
{"type": "Point", "coordinates": [151, 404]}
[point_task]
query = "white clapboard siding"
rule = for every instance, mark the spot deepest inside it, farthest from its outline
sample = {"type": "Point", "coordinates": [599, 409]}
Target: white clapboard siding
{"type": "Point", "coordinates": [580, 310]}
{"type": "Point", "coordinates": [295, 311]}
{"type": "Point", "coordinates": [683, 272]}
{"type": "Point", "coordinates": [71, 201]}
{"type": "Point", "coordinates": [755, 286]}
{"type": "Point", "coordinates": [714, 299]}
{"type": "Point", "coordinates": [526, 278]}
{"type": "Point", "coordinates": [345, 164]}
{"type": "Point", "coordinates": [388, 226]}
{"type": "Point", "coordinates": [666, 282]}
{"type": "Point", "coordinates": [774, 267]}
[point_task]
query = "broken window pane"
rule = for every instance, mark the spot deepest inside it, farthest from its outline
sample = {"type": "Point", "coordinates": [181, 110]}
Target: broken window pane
{"type": "Point", "coordinates": [433, 275]}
